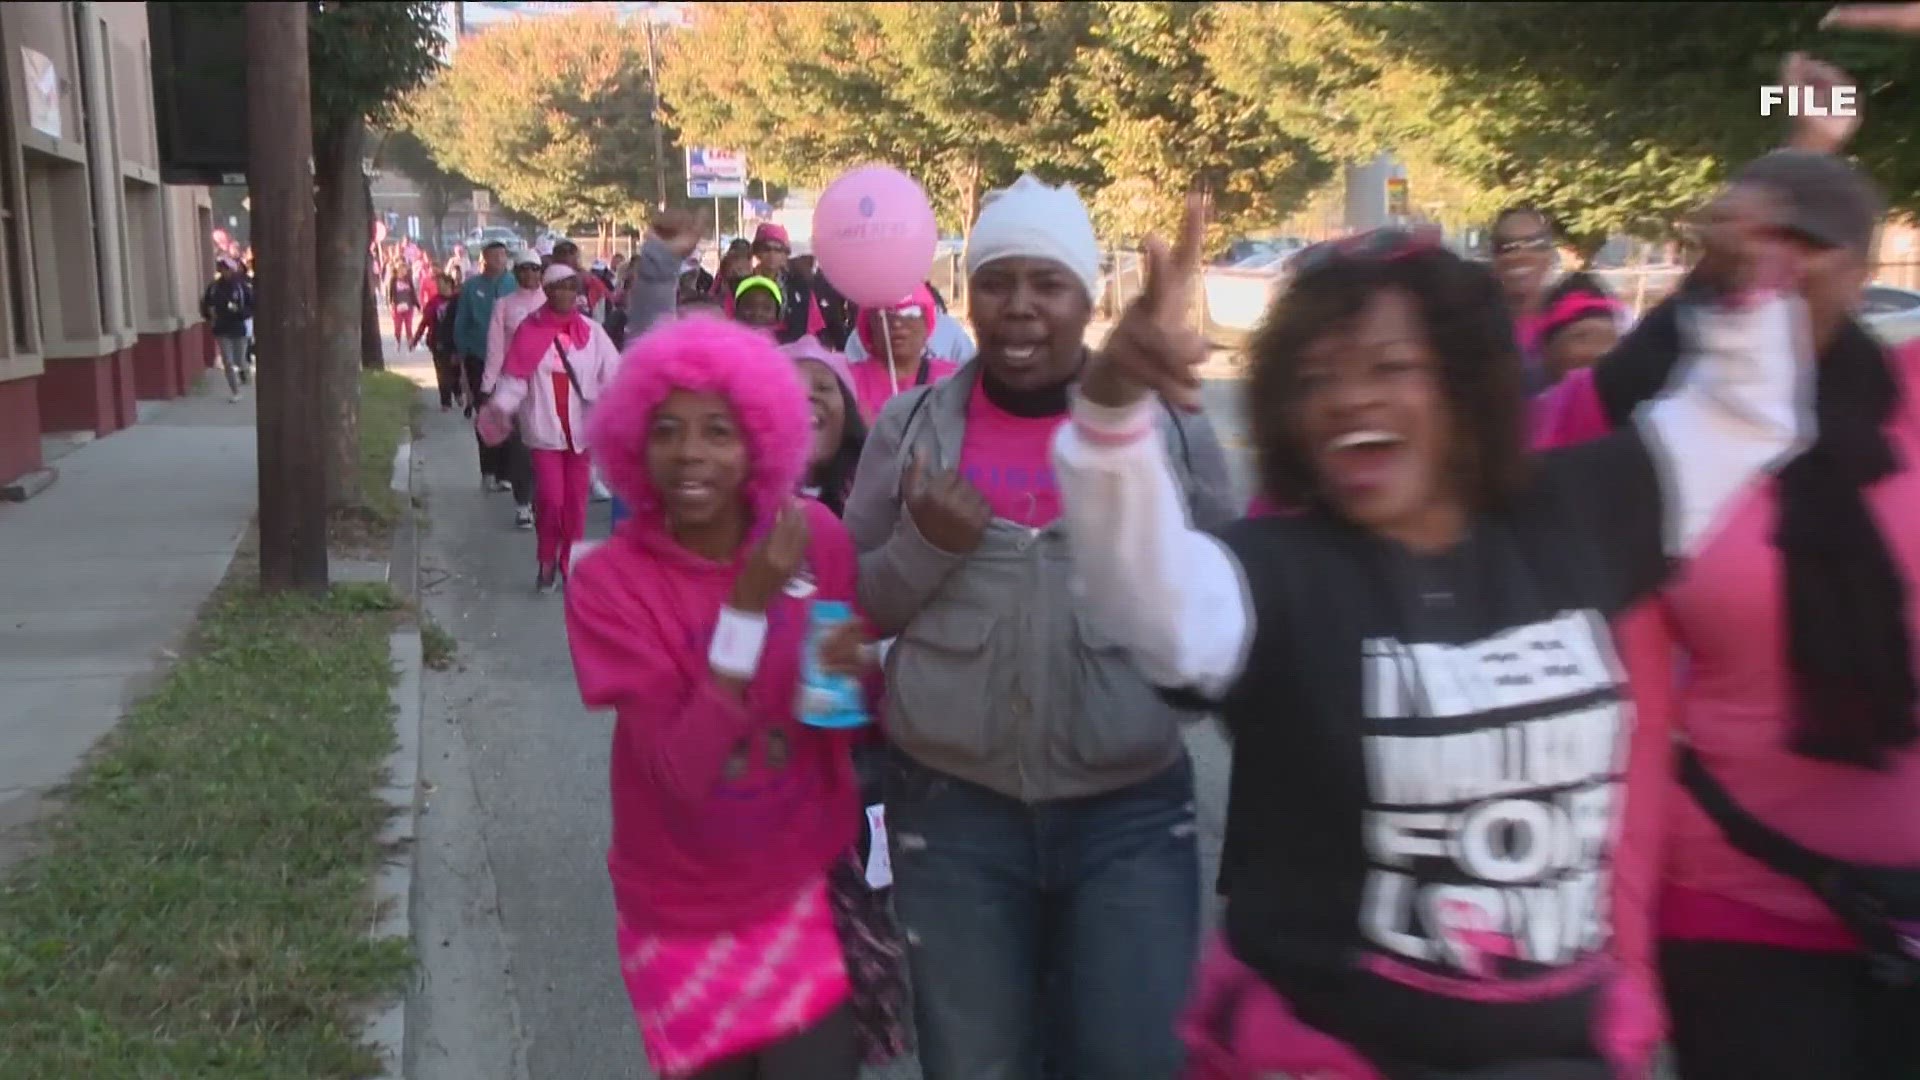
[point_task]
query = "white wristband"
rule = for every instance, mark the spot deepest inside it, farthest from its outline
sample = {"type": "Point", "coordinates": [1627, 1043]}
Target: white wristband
{"type": "Point", "coordinates": [737, 641]}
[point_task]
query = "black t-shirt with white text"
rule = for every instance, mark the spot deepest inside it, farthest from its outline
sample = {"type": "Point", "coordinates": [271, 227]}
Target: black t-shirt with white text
{"type": "Point", "coordinates": [1461, 716]}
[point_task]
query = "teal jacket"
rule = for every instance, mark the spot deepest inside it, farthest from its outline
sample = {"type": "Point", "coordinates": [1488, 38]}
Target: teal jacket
{"type": "Point", "coordinates": [475, 313]}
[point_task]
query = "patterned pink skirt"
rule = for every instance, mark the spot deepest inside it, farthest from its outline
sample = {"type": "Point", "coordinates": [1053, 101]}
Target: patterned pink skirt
{"type": "Point", "coordinates": [703, 997]}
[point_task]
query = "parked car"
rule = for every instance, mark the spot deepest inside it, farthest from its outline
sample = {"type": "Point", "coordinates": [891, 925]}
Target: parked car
{"type": "Point", "coordinates": [1239, 295]}
{"type": "Point", "coordinates": [479, 238]}
{"type": "Point", "coordinates": [1892, 312]}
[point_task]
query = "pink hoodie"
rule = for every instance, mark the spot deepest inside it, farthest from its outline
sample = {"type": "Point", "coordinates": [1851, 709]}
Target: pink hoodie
{"type": "Point", "coordinates": [722, 811]}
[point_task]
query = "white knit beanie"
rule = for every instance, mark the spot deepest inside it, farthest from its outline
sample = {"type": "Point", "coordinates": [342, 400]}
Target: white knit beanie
{"type": "Point", "coordinates": [1035, 220]}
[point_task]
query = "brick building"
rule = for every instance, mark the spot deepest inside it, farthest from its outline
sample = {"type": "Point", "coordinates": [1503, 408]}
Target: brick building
{"type": "Point", "coordinates": [101, 266]}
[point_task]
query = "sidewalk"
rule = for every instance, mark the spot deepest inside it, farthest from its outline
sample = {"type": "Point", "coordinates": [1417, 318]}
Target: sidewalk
{"type": "Point", "coordinates": [105, 573]}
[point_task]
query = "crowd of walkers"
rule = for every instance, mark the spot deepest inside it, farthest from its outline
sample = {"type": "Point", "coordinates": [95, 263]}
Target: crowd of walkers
{"type": "Point", "coordinates": [1568, 663]}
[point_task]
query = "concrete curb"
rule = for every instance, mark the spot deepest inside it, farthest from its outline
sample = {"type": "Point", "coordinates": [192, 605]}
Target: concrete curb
{"type": "Point", "coordinates": [386, 1028]}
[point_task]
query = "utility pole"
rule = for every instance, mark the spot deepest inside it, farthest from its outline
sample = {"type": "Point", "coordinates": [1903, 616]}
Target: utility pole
{"type": "Point", "coordinates": [293, 386]}
{"type": "Point", "coordinates": [659, 137]}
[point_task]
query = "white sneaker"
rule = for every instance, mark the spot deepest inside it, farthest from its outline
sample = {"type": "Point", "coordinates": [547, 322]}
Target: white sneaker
{"type": "Point", "coordinates": [600, 492]}
{"type": "Point", "coordinates": [523, 517]}
{"type": "Point", "coordinates": [233, 397]}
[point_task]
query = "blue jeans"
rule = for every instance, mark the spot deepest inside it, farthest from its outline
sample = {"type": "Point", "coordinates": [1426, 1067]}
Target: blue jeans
{"type": "Point", "coordinates": [618, 511]}
{"type": "Point", "coordinates": [1062, 932]}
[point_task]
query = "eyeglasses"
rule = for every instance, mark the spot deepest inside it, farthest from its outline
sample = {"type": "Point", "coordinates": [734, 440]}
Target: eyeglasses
{"type": "Point", "coordinates": [1536, 242]}
{"type": "Point", "coordinates": [1389, 244]}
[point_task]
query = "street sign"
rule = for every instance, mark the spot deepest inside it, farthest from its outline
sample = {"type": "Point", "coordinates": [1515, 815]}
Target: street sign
{"type": "Point", "coordinates": [716, 189]}
{"type": "Point", "coordinates": [1397, 201]}
{"type": "Point", "coordinates": [715, 174]}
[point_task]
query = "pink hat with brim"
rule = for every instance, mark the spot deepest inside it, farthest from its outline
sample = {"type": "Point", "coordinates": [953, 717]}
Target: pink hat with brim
{"type": "Point", "coordinates": [810, 348]}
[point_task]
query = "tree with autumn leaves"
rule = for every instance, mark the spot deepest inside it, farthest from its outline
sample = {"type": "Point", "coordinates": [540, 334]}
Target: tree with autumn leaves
{"type": "Point", "coordinates": [1615, 117]}
{"type": "Point", "coordinates": [554, 116]}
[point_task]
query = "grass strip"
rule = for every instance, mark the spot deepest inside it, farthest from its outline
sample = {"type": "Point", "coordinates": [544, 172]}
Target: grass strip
{"type": "Point", "coordinates": [199, 906]}
{"type": "Point", "coordinates": [387, 402]}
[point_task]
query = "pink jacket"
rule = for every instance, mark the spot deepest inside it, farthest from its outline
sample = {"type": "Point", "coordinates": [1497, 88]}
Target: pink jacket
{"type": "Point", "coordinates": [538, 402]}
{"type": "Point", "coordinates": [722, 809]}
{"type": "Point", "coordinates": [508, 313]}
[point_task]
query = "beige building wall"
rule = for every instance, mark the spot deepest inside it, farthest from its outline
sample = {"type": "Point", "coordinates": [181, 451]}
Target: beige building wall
{"type": "Point", "coordinates": [101, 266]}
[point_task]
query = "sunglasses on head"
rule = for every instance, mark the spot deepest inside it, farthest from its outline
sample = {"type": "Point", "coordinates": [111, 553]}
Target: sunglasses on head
{"type": "Point", "coordinates": [1536, 242]}
{"type": "Point", "coordinates": [1388, 244]}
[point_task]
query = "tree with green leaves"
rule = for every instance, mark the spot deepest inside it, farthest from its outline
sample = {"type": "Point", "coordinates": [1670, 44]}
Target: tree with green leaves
{"type": "Point", "coordinates": [1163, 126]}
{"type": "Point", "coordinates": [1613, 117]}
{"type": "Point", "coordinates": [365, 57]}
{"type": "Point", "coordinates": [554, 116]}
{"type": "Point", "coordinates": [963, 96]}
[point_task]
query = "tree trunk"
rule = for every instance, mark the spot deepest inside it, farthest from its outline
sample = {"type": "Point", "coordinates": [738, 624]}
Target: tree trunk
{"type": "Point", "coordinates": [292, 383]}
{"type": "Point", "coordinates": [343, 240]}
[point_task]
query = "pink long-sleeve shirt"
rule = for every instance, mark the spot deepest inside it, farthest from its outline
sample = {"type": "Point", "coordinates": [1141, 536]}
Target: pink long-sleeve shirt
{"type": "Point", "coordinates": [722, 807]}
{"type": "Point", "coordinates": [1730, 695]}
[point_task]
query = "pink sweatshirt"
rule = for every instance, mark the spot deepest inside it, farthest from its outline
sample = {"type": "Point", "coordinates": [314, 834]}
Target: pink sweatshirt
{"type": "Point", "coordinates": [538, 401]}
{"type": "Point", "coordinates": [873, 386]}
{"type": "Point", "coordinates": [721, 811]}
{"type": "Point", "coordinates": [1722, 611]}
{"type": "Point", "coordinates": [508, 313]}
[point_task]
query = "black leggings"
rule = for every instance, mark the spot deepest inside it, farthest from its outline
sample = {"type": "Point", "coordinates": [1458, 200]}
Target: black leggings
{"type": "Point", "coordinates": [1753, 1012]}
{"type": "Point", "coordinates": [511, 461]}
{"type": "Point", "coordinates": [448, 373]}
{"type": "Point", "coordinates": [825, 1051]}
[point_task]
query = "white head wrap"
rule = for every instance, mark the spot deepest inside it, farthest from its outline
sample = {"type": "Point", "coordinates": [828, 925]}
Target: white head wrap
{"type": "Point", "coordinates": [1038, 221]}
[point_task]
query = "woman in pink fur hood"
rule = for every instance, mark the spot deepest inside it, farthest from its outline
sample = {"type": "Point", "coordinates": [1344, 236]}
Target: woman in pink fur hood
{"type": "Point", "coordinates": [729, 814]}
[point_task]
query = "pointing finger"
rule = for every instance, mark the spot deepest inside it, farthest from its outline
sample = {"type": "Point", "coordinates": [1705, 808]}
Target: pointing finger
{"type": "Point", "coordinates": [1193, 234]}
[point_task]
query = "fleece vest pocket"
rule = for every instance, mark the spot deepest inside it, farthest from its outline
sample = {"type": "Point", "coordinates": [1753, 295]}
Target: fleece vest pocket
{"type": "Point", "coordinates": [1117, 719]}
{"type": "Point", "coordinates": [941, 682]}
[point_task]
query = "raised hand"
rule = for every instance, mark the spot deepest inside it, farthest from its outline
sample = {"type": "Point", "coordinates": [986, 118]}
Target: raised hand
{"type": "Point", "coordinates": [1824, 134]}
{"type": "Point", "coordinates": [678, 230]}
{"type": "Point", "coordinates": [949, 512]}
{"type": "Point", "coordinates": [773, 562]}
{"type": "Point", "coordinates": [1155, 347]}
{"type": "Point", "coordinates": [1886, 18]}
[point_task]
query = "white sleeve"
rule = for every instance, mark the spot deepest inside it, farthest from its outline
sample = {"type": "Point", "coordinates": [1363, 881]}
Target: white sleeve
{"type": "Point", "coordinates": [1173, 596]}
{"type": "Point", "coordinates": [1741, 404]}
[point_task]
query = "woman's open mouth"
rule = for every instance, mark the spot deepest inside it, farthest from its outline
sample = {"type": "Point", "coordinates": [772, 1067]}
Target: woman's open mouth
{"type": "Point", "coordinates": [1360, 462]}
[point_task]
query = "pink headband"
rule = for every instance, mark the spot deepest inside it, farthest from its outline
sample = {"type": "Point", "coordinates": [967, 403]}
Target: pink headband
{"type": "Point", "coordinates": [1574, 307]}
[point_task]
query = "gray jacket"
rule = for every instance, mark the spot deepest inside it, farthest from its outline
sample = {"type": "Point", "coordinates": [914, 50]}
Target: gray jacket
{"type": "Point", "coordinates": [656, 283]}
{"type": "Point", "coordinates": [996, 677]}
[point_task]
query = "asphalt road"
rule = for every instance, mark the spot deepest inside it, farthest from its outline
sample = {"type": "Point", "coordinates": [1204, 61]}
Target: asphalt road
{"type": "Point", "coordinates": [514, 919]}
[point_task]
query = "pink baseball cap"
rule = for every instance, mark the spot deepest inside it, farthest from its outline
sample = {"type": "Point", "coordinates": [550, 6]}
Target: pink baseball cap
{"type": "Point", "coordinates": [810, 348]}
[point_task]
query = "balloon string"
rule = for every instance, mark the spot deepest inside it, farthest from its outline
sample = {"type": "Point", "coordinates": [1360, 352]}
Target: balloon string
{"type": "Point", "coordinates": [886, 335]}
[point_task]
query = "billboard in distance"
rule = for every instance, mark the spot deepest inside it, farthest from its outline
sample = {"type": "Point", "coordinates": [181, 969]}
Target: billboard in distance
{"type": "Point", "coordinates": [715, 174]}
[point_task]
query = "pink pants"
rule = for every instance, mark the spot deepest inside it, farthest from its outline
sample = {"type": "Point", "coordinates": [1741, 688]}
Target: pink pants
{"type": "Point", "coordinates": [562, 481]}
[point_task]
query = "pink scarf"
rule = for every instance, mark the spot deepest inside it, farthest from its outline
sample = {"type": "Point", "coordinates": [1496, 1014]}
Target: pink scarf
{"type": "Point", "coordinates": [538, 333]}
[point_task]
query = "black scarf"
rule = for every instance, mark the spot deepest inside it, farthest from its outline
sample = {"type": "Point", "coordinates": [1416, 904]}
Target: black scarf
{"type": "Point", "coordinates": [1848, 643]}
{"type": "Point", "coordinates": [1848, 637]}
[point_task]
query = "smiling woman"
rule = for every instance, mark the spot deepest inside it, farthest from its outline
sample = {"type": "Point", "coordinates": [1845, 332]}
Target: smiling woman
{"type": "Point", "coordinates": [1010, 720]}
{"type": "Point", "coordinates": [1437, 601]}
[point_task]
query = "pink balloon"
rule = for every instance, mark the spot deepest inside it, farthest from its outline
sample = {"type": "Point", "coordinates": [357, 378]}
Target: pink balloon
{"type": "Point", "coordinates": [874, 235]}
